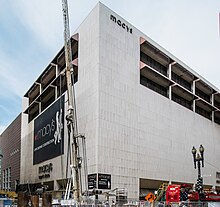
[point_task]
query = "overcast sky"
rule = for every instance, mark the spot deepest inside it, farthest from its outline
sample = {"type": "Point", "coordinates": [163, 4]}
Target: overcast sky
{"type": "Point", "coordinates": [31, 33]}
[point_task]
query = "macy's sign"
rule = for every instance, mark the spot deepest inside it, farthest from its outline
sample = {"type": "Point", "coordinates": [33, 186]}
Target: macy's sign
{"type": "Point", "coordinates": [121, 24]}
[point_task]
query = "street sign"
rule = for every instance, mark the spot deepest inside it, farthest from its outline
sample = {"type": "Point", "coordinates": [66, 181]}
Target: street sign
{"type": "Point", "coordinates": [92, 180]}
{"type": "Point", "coordinates": [150, 197]}
{"type": "Point", "coordinates": [104, 181]}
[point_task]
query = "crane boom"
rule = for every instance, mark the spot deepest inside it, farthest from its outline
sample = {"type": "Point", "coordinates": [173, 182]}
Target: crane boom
{"type": "Point", "coordinates": [71, 116]}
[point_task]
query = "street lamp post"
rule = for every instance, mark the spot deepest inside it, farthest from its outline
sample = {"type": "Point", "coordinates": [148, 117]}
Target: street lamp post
{"type": "Point", "coordinates": [199, 158]}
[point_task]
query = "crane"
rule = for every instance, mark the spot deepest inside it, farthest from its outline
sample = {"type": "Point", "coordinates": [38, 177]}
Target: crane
{"type": "Point", "coordinates": [71, 112]}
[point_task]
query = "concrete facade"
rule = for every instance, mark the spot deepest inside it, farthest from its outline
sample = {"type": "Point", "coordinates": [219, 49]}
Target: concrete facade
{"type": "Point", "coordinates": [132, 132]}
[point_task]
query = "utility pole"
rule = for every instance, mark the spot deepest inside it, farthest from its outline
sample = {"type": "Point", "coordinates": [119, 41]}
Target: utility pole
{"type": "Point", "coordinates": [71, 116]}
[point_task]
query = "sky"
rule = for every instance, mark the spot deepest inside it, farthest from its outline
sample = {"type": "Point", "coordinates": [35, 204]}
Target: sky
{"type": "Point", "coordinates": [31, 34]}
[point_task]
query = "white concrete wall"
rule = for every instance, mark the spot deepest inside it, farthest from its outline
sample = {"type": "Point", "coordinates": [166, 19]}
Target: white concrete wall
{"type": "Point", "coordinates": [141, 133]}
{"type": "Point", "coordinates": [87, 85]}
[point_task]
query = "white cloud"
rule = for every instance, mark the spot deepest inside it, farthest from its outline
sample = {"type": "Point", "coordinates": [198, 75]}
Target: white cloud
{"type": "Point", "coordinates": [11, 79]}
{"type": "Point", "coordinates": [43, 19]}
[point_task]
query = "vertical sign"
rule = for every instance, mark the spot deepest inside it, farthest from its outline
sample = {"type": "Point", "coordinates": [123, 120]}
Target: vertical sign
{"type": "Point", "coordinates": [218, 177]}
{"type": "Point", "coordinates": [104, 181]}
{"type": "Point", "coordinates": [92, 180]}
{"type": "Point", "coordinates": [49, 133]}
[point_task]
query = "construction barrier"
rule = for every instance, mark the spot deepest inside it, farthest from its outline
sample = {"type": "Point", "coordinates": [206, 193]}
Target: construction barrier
{"type": "Point", "coordinates": [46, 200]}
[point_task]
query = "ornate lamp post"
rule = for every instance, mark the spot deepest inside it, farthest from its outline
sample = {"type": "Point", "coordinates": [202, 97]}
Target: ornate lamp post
{"type": "Point", "coordinates": [197, 158]}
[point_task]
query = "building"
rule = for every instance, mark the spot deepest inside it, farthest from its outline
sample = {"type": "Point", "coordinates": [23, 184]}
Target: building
{"type": "Point", "coordinates": [10, 142]}
{"type": "Point", "coordinates": [1, 168]}
{"type": "Point", "coordinates": [140, 108]}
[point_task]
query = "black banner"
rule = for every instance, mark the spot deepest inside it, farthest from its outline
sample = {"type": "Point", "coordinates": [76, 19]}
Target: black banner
{"type": "Point", "coordinates": [92, 180]}
{"type": "Point", "coordinates": [104, 181]}
{"type": "Point", "coordinates": [49, 133]}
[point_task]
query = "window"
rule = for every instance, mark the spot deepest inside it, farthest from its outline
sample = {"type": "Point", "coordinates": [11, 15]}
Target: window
{"type": "Point", "coordinates": [217, 104]}
{"type": "Point", "coordinates": [181, 81]}
{"type": "Point", "coordinates": [217, 177]}
{"type": "Point", "coordinates": [217, 120]}
{"type": "Point", "coordinates": [202, 95]}
{"type": "Point", "coordinates": [7, 179]}
{"type": "Point", "coordinates": [203, 112]}
{"type": "Point", "coordinates": [153, 63]}
{"type": "Point", "coordinates": [153, 86]}
{"type": "Point", "coordinates": [182, 101]}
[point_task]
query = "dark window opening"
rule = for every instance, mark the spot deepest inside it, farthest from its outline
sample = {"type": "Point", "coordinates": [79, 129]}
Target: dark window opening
{"type": "Point", "coordinates": [61, 62]}
{"type": "Point", "coordinates": [48, 77]}
{"type": "Point", "coordinates": [33, 112]}
{"type": "Point", "coordinates": [153, 63]}
{"type": "Point", "coordinates": [47, 98]}
{"type": "Point", "coordinates": [203, 112]}
{"type": "Point", "coordinates": [217, 104]}
{"type": "Point", "coordinates": [182, 101]}
{"type": "Point", "coordinates": [217, 120]}
{"type": "Point", "coordinates": [181, 81]}
{"type": "Point", "coordinates": [153, 86]}
{"type": "Point", "coordinates": [203, 95]}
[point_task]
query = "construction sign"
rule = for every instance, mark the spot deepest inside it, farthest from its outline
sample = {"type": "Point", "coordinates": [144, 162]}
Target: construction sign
{"type": "Point", "coordinates": [150, 197]}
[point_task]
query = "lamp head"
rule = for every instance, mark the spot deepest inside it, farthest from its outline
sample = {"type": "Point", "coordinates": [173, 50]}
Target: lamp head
{"type": "Point", "coordinates": [194, 156]}
{"type": "Point", "coordinates": [194, 150]}
{"type": "Point", "coordinates": [201, 149]}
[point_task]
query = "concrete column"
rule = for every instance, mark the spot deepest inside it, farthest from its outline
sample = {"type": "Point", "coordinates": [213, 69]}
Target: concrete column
{"type": "Point", "coordinates": [213, 104]}
{"type": "Point", "coordinates": [194, 105]}
{"type": "Point", "coordinates": [170, 92]}
{"type": "Point", "coordinates": [194, 92]}
{"type": "Point", "coordinates": [194, 86]}
{"type": "Point", "coordinates": [55, 92]}
{"type": "Point", "coordinates": [170, 77]}
{"type": "Point", "coordinates": [39, 107]}
{"type": "Point", "coordinates": [212, 99]}
{"type": "Point", "coordinates": [213, 115]}
{"type": "Point", "coordinates": [170, 69]}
